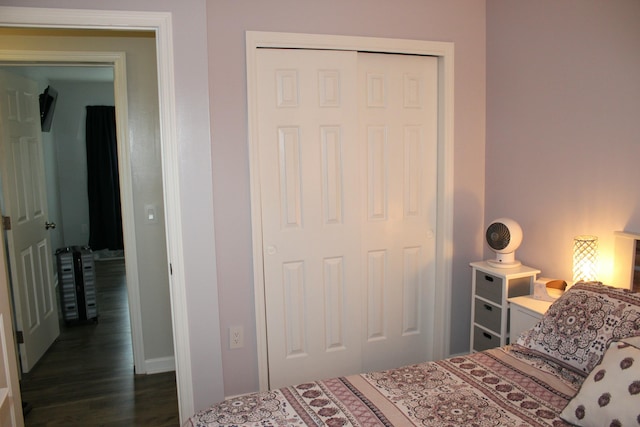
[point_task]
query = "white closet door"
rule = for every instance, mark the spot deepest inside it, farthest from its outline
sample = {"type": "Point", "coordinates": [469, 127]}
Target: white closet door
{"type": "Point", "coordinates": [348, 209]}
{"type": "Point", "coordinates": [310, 205]}
{"type": "Point", "coordinates": [398, 101]}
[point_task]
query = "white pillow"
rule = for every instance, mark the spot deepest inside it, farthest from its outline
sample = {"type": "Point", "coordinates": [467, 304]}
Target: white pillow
{"type": "Point", "coordinates": [610, 396]}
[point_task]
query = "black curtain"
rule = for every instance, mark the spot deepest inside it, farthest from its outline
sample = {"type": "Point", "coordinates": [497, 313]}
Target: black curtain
{"type": "Point", "coordinates": [105, 230]}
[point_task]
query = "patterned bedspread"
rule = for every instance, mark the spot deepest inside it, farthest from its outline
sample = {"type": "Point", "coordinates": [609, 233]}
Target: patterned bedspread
{"type": "Point", "coordinates": [498, 387]}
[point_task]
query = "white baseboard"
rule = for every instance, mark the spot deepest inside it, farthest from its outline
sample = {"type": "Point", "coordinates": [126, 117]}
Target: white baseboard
{"type": "Point", "coordinates": [160, 364]}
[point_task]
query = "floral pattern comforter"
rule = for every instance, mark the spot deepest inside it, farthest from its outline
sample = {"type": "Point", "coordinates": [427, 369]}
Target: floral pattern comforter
{"type": "Point", "coordinates": [498, 387]}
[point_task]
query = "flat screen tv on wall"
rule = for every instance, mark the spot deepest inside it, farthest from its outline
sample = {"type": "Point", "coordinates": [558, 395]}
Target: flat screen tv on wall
{"type": "Point", "coordinates": [47, 106]}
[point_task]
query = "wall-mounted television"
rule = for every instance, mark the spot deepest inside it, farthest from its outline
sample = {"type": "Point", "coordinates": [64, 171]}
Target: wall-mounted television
{"type": "Point", "coordinates": [47, 106]}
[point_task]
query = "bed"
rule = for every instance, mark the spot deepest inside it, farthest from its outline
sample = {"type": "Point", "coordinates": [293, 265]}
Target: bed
{"type": "Point", "coordinates": [574, 367]}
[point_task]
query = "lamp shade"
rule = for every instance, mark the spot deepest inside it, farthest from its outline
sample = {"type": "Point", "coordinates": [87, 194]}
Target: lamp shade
{"type": "Point", "coordinates": [585, 258]}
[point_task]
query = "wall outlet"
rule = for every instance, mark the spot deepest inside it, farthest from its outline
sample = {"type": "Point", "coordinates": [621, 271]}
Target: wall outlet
{"type": "Point", "coordinates": [236, 337]}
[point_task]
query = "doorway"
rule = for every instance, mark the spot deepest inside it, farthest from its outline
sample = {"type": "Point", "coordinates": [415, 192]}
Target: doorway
{"type": "Point", "coordinates": [144, 361]}
{"type": "Point", "coordinates": [117, 61]}
{"type": "Point", "coordinates": [160, 23]}
{"type": "Point", "coordinates": [66, 175]}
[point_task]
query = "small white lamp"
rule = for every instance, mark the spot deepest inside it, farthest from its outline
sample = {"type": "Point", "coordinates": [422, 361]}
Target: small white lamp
{"type": "Point", "coordinates": [585, 258]}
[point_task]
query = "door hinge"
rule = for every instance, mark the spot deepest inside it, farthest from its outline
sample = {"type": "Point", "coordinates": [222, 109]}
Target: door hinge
{"type": "Point", "coordinates": [19, 337]}
{"type": "Point", "coordinates": [6, 222]}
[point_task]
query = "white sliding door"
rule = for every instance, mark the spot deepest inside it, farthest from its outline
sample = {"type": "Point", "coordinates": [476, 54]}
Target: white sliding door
{"type": "Point", "coordinates": [398, 179]}
{"type": "Point", "coordinates": [347, 159]}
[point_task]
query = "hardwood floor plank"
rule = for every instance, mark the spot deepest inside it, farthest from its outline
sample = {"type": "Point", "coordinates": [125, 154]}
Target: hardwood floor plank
{"type": "Point", "coordinates": [87, 376]}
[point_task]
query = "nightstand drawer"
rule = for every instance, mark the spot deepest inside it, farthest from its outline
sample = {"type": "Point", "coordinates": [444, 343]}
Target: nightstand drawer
{"type": "Point", "coordinates": [489, 286]}
{"type": "Point", "coordinates": [483, 340]}
{"type": "Point", "coordinates": [488, 315]}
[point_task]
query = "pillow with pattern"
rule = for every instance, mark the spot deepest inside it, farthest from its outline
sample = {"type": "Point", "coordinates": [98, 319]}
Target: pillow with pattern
{"type": "Point", "coordinates": [610, 396]}
{"type": "Point", "coordinates": [579, 325]}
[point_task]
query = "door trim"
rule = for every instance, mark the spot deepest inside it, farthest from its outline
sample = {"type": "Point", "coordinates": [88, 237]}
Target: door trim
{"type": "Point", "coordinates": [444, 51]}
{"type": "Point", "coordinates": [160, 23]}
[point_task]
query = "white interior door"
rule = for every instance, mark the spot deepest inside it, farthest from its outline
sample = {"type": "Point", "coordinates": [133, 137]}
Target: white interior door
{"type": "Point", "coordinates": [29, 248]}
{"type": "Point", "coordinates": [347, 148]}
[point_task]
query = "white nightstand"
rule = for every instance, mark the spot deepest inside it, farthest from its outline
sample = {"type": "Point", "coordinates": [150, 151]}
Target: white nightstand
{"type": "Point", "coordinates": [525, 312]}
{"type": "Point", "coordinates": [491, 287]}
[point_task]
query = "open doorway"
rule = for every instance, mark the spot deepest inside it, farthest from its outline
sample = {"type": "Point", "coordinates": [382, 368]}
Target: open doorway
{"type": "Point", "coordinates": [170, 90]}
{"type": "Point", "coordinates": [145, 254]}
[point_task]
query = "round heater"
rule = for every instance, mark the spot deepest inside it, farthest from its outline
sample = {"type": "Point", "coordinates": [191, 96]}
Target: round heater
{"type": "Point", "coordinates": [504, 236]}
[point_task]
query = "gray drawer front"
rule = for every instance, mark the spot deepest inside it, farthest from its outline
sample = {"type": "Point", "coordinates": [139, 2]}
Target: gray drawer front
{"type": "Point", "coordinates": [483, 340]}
{"type": "Point", "coordinates": [489, 286]}
{"type": "Point", "coordinates": [488, 315]}
{"type": "Point", "coordinates": [519, 287]}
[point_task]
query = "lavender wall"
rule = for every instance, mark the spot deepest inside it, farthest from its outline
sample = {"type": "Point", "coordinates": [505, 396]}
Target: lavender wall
{"type": "Point", "coordinates": [563, 127]}
{"type": "Point", "coordinates": [460, 21]}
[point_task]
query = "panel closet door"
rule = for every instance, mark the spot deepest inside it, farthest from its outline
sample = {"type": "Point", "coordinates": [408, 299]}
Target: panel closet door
{"type": "Point", "coordinates": [348, 209]}
{"type": "Point", "coordinates": [398, 100]}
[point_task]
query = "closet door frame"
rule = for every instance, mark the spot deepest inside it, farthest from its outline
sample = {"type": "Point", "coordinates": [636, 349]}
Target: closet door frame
{"type": "Point", "coordinates": [444, 51]}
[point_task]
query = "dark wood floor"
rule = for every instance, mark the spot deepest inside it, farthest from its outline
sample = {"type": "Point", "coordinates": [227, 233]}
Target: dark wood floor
{"type": "Point", "coordinates": [86, 378]}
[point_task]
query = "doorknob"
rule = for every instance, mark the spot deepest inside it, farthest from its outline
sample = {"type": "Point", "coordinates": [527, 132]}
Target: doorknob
{"type": "Point", "coordinates": [48, 225]}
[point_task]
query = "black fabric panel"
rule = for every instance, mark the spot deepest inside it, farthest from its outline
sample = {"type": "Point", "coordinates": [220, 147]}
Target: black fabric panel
{"type": "Point", "coordinates": [103, 179]}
